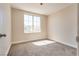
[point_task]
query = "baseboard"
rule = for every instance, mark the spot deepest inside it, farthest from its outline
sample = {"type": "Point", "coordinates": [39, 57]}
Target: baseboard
{"type": "Point", "coordinates": [65, 43]}
{"type": "Point", "coordinates": [19, 42]}
{"type": "Point", "coordinates": [8, 49]}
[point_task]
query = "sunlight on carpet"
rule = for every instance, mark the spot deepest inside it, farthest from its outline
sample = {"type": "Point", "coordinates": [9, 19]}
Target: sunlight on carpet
{"type": "Point", "coordinates": [43, 42]}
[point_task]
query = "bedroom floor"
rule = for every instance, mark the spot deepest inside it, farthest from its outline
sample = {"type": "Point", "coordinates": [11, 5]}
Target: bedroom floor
{"type": "Point", "coordinates": [42, 48]}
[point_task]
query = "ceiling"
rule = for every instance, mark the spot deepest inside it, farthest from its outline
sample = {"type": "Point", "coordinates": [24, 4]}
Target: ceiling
{"type": "Point", "coordinates": [46, 8]}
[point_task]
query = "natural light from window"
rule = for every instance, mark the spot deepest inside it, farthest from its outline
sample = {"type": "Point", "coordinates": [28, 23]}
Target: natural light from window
{"type": "Point", "coordinates": [43, 42]}
{"type": "Point", "coordinates": [31, 24]}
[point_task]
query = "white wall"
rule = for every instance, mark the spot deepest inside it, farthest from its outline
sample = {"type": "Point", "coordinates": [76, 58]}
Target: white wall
{"type": "Point", "coordinates": [18, 34]}
{"type": "Point", "coordinates": [62, 26]}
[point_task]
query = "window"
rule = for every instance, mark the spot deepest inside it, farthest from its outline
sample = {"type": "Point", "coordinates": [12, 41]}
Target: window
{"type": "Point", "coordinates": [31, 24]}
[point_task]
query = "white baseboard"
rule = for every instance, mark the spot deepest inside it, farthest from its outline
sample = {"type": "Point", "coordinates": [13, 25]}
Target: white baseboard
{"type": "Point", "coordinates": [8, 49]}
{"type": "Point", "coordinates": [65, 43]}
{"type": "Point", "coordinates": [26, 41]}
{"type": "Point", "coordinates": [42, 39]}
{"type": "Point", "coordinates": [19, 42]}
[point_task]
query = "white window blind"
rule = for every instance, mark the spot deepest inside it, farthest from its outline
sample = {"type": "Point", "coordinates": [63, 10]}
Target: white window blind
{"type": "Point", "coordinates": [31, 24]}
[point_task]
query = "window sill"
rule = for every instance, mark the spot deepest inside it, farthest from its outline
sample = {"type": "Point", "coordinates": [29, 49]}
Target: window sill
{"type": "Point", "coordinates": [33, 33]}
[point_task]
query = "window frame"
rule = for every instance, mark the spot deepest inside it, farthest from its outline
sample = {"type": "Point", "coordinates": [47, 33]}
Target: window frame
{"type": "Point", "coordinates": [33, 24]}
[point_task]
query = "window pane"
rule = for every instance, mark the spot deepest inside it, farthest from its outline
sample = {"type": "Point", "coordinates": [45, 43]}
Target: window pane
{"type": "Point", "coordinates": [31, 24]}
{"type": "Point", "coordinates": [27, 23]}
{"type": "Point", "coordinates": [36, 24]}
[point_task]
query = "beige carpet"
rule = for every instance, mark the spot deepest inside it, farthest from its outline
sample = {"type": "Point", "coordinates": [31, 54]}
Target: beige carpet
{"type": "Point", "coordinates": [52, 49]}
